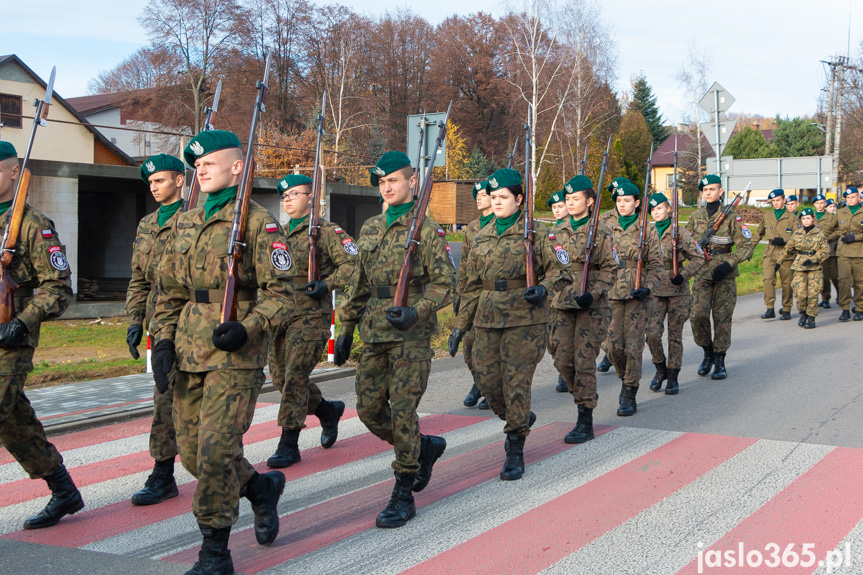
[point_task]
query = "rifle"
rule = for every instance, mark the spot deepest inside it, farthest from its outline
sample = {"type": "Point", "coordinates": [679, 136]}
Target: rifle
{"type": "Point", "coordinates": [530, 264]}
{"type": "Point", "coordinates": [241, 206]}
{"type": "Point", "coordinates": [639, 265]}
{"type": "Point", "coordinates": [314, 215]}
{"type": "Point", "coordinates": [675, 232]}
{"type": "Point", "coordinates": [195, 188]}
{"type": "Point", "coordinates": [705, 239]}
{"type": "Point", "coordinates": [583, 169]}
{"type": "Point", "coordinates": [415, 233]}
{"type": "Point", "coordinates": [594, 218]}
{"type": "Point", "coordinates": [420, 152]}
{"type": "Point", "coordinates": [512, 153]}
{"type": "Point", "coordinates": [8, 286]}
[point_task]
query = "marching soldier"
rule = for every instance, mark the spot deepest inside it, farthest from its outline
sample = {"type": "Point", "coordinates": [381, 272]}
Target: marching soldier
{"type": "Point", "coordinates": [671, 298]}
{"type": "Point", "coordinates": [777, 228]}
{"type": "Point", "coordinates": [715, 289]}
{"type": "Point", "coordinates": [827, 222]}
{"type": "Point", "coordinates": [808, 246]}
{"type": "Point", "coordinates": [791, 204]}
{"type": "Point", "coordinates": [849, 232]}
{"type": "Point", "coordinates": [39, 262]}
{"type": "Point", "coordinates": [510, 321]}
{"type": "Point", "coordinates": [298, 344]}
{"type": "Point", "coordinates": [831, 206]}
{"type": "Point", "coordinates": [396, 357]}
{"type": "Point", "coordinates": [608, 218]}
{"type": "Point", "coordinates": [557, 203]}
{"type": "Point", "coordinates": [220, 365]}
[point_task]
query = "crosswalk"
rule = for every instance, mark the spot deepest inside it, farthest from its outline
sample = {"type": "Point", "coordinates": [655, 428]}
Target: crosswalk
{"type": "Point", "coordinates": [631, 501]}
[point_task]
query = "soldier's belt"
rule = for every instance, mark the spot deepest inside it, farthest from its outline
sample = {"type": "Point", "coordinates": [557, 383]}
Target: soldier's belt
{"type": "Point", "coordinates": [384, 292]}
{"type": "Point", "coordinates": [718, 250]}
{"type": "Point", "coordinates": [218, 295]}
{"type": "Point", "coordinates": [805, 253]}
{"type": "Point", "coordinates": [24, 292]}
{"type": "Point", "coordinates": [504, 285]}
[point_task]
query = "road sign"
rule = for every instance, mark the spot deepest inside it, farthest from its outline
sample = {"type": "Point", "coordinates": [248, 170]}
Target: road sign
{"type": "Point", "coordinates": [716, 95]}
{"type": "Point", "coordinates": [431, 130]}
{"type": "Point", "coordinates": [725, 129]}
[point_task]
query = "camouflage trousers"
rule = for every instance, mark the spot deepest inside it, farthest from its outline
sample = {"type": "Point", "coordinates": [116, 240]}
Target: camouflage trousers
{"type": "Point", "coordinates": [807, 288]}
{"type": "Point", "coordinates": [293, 356]}
{"type": "Point", "coordinates": [718, 299]}
{"type": "Point", "coordinates": [550, 338]}
{"type": "Point", "coordinates": [831, 275]}
{"type": "Point", "coordinates": [676, 309]}
{"type": "Point", "coordinates": [467, 347]}
{"type": "Point", "coordinates": [578, 335]}
{"type": "Point", "coordinates": [506, 359]}
{"type": "Point", "coordinates": [785, 276]}
{"type": "Point", "coordinates": [850, 277]}
{"type": "Point", "coordinates": [21, 433]}
{"type": "Point", "coordinates": [626, 338]}
{"type": "Point", "coordinates": [163, 437]}
{"type": "Point", "coordinates": [212, 411]}
{"type": "Point", "coordinates": [391, 381]}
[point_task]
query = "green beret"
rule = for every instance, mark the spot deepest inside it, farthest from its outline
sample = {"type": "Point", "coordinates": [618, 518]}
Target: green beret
{"type": "Point", "coordinates": [617, 182]}
{"type": "Point", "coordinates": [707, 180]}
{"type": "Point", "coordinates": [657, 199]}
{"type": "Point", "coordinates": [209, 142]}
{"type": "Point", "coordinates": [626, 188]}
{"type": "Point", "coordinates": [389, 163]}
{"type": "Point", "coordinates": [556, 198]}
{"type": "Point", "coordinates": [7, 150]}
{"type": "Point", "coordinates": [577, 184]}
{"type": "Point", "coordinates": [161, 163]}
{"type": "Point", "coordinates": [504, 178]}
{"type": "Point", "coordinates": [290, 181]}
{"type": "Point", "coordinates": [483, 185]}
{"type": "Point", "coordinates": [807, 212]}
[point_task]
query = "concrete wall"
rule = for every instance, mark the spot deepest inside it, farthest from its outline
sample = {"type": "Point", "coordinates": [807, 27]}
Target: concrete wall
{"type": "Point", "coordinates": [57, 198]}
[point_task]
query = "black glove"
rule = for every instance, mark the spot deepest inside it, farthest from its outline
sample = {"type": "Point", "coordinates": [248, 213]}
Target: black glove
{"type": "Point", "coordinates": [535, 294]}
{"type": "Point", "coordinates": [721, 271]}
{"type": "Point", "coordinates": [641, 293]}
{"type": "Point", "coordinates": [848, 238]}
{"type": "Point", "coordinates": [133, 338]}
{"type": "Point", "coordinates": [807, 262]}
{"type": "Point", "coordinates": [455, 339]}
{"type": "Point", "coordinates": [402, 318]}
{"type": "Point", "coordinates": [677, 280]}
{"type": "Point", "coordinates": [343, 348]}
{"type": "Point", "coordinates": [317, 289]}
{"type": "Point", "coordinates": [777, 242]}
{"type": "Point", "coordinates": [584, 301]}
{"type": "Point", "coordinates": [776, 268]}
{"type": "Point", "coordinates": [13, 334]}
{"type": "Point", "coordinates": [456, 305]}
{"type": "Point", "coordinates": [230, 336]}
{"type": "Point", "coordinates": [162, 360]}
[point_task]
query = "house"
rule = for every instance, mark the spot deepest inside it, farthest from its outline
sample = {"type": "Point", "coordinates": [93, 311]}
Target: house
{"type": "Point", "coordinates": [662, 161]}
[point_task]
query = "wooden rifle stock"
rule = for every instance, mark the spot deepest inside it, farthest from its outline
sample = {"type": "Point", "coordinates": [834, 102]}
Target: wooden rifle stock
{"type": "Point", "coordinates": [8, 286]}
{"type": "Point", "coordinates": [530, 257]}
{"type": "Point", "coordinates": [594, 218]}
{"type": "Point", "coordinates": [639, 265]}
{"type": "Point", "coordinates": [315, 214]}
{"type": "Point", "coordinates": [705, 239]}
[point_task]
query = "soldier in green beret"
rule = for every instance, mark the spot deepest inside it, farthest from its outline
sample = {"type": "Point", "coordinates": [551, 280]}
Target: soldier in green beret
{"type": "Point", "coordinates": [165, 176]}
{"type": "Point", "coordinates": [557, 203]}
{"type": "Point", "coordinates": [220, 366]}
{"type": "Point", "coordinates": [849, 252]}
{"type": "Point", "coordinates": [808, 246]}
{"type": "Point", "coordinates": [298, 344]}
{"type": "Point", "coordinates": [396, 356]}
{"type": "Point", "coordinates": [827, 222]}
{"type": "Point", "coordinates": [510, 321]}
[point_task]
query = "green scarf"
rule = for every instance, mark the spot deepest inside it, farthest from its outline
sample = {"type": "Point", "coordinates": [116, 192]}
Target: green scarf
{"type": "Point", "coordinates": [778, 213]}
{"type": "Point", "coordinates": [294, 223]}
{"type": "Point", "coordinates": [820, 215]}
{"type": "Point", "coordinates": [485, 220]}
{"type": "Point", "coordinates": [4, 207]}
{"type": "Point", "coordinates": [395, 212]}
{"type": "Point", "coordinates": [578, 223]}
{"type": "Point", "coordinates": [560, 222]}
{"type": "Point", "coordinates": [165, 212]}
{"type": "Point", "coordinates": [854, 209]}
{"type": "Point", "coordinates": [503, 224]}
{"type": "Point", "coordinates": [662, 226]}
{"type": "Point", "coordinates": [218, 200]}
{"type": "Point", "coordinates": [626, 221]}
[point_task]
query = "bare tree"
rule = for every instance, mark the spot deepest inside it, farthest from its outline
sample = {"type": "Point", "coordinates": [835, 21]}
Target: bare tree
{"type": "Point", "coordinates": [692, 79]}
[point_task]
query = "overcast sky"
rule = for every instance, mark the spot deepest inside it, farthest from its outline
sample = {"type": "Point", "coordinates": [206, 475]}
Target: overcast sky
{"type": "Point", "coordinates": [766, 53]}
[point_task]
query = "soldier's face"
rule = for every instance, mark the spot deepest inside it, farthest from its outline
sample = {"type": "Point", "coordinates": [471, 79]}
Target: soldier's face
{"type": "Point", "coordinates": [778, 202]}
{"type": "Point", "coordinates": [831, 208]}
{"type": "Point", "coordinates": [505, 203]}
{"type": "Point", "coordinates": [852, 199]}
{"type": "Point", "coordinates": [166, 187]}
{"type": "Point", "coordinates": [559, 210]}
{"type": "Point", "coordinates": [9, 172]}
{"type": "Point", "coordinates": [711, 192]}
{"type": "Point", "coordinates": [820, 205]}
{"type": "Point", "coordinates": [396, 188]}
{"type": "Point", "coordinates": [577, 205]}
{"type": "Point", "coordinates": [219, 170]}
{"type": "Point", "coordinates": [807, 220]}
{"type": "Point", "coordinates": [660, 212]}
{"type": "Point", "coordinates": [791, 205]}
{"type": "Point", "coordinates": [297, 201]}
{"type": "Point", "coordinates": [483, 201]}
{"type": "Point", "coordinates": [626, 205]}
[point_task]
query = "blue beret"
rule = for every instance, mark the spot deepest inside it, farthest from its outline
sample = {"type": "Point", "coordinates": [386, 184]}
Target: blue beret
{"type": "Point", "coordinates": [830, 201]}
{"type": "Point", "coordinates": [819, 197]}
{"type": "Point", "coordinates": [791, 198]}
{"type": "Point", "coordinates": [777, 193]}
{"type": "Point", "coordinates": [850, 190]}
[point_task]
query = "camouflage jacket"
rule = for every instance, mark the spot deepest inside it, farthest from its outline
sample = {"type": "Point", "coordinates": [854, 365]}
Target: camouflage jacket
{"type": "Point", "coordinates": [828, 224]}
{"type": "Point", "coordinates": [197, 259]}
{"type": "Point", "coordinates": [624, 247]}
{"type": "Point", "coordinates": [150, 241]}
{"type": "Point", "coordinates": [381, 256]}
{"type": "Point", "coordinates": [495, 257]}
{"type": "Point", "coordinates": [602, 270]}
{"type": "Point", "coordinates": [848, 223]}
{"type": "Point", "coordinates": [608, 217]}
{"type": "Point", "coordinates": [470, 232]}
{"type": "Point", "coordinates": [687, 249]}
{"type": "Point", "coordinates": [732, 232]}
{"type": "Point", "coordinates": [805, 245]}
{"type": "Point", "coordinates": [39, 262]}
{"type": "Point", "coordinates": [772, 228]}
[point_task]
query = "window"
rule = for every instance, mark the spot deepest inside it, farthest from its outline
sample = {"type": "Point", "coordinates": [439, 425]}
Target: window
{"type": "Point", "coordinates": [10, 111]}
{"type": "Point", "coordinates": [669, 182]}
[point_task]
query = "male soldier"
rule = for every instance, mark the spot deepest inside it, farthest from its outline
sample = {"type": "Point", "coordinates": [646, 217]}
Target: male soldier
{"type": "Point", "coordinates": [39, 261]}
{"type": "Point", "coordinates": [557, 203]}
{"type": "Point", "coordinates": [849, 231]}
{"type": "Point", "coordinates": [220, 365]}
{"type": "Point", "coordinates": [715, 288]}
{"type": "Point", "coordinates": [298, 344]}
{"type": "Point", "coordinates": [776, 228]}
{"type": "Point", "coordinates": [827, 222]}
{"type": "Point", "coordinates": [165, 175]}
{"type": "Point", "coordinates": [791, 204]}
{"type": "Point", "coordinates": [396, 357]}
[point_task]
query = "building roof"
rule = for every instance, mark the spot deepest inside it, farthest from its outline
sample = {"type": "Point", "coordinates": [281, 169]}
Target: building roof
{"type": "Point", "coordinates": [664, 155]}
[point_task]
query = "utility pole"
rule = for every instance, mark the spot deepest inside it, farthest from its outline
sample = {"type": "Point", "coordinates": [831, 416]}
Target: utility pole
{"type": "Point", "coordinates": [838, 65]}
{"type": "Point", "coordinates": [828, 144]}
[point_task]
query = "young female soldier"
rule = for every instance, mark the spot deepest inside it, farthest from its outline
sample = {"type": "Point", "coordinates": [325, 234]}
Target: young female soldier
{"type": "Point", "coordinates": [809, 244]}
{"type": "Point", "coordinates": [557, 203]}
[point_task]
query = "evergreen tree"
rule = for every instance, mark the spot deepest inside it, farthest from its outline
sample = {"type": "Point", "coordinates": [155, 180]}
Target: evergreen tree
{"type": "Point", "coordinates": [797, 137]}
{"type": "Point", "coordinates": [645, 101]}
{"type": "Point", "coordinates": [747, 144]}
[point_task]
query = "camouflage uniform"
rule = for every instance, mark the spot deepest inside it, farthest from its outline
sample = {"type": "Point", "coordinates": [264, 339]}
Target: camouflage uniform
{"type": "Point", "coordinates": [470, 232]}
{"type": "Point", "coordinates": [394, 365]}
{"type": "Point", "coordinates": [808, 278]}
{"type": "Point", "coordinates": [828, 224]}
{"type": "Point", "coordinates": [551, 338]}
{"type": "Point", "coordinates": [608, 218]}
{"type": "Point", "coordinates": [770, 229]}
{"type": "Point", "coordinates": [215, 391]}
{"type": "Point", "coordinates": [39, 262]}
{"type": "Point", "coordinates": [850, 257]}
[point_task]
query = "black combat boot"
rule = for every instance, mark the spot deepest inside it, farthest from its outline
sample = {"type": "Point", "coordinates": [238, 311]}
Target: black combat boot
{"type": "Point", "coordinates": [825, 304]}
{"type": "Point", "coordinates": [288, 452]}
{"type": "Point", "coordinates": [483, 404]}
{"type": "Point", "coordinates": [802, 321]}
{"type": "Point", "coordinates": [329, 413]}
{"type": "Point", "coordinates": [214, 558]}
{"type": "Point", "coordinates": [583, 430]}
{"type": "Point", "coordinates": [858, 316]}
{"type": "Point", "coordinates": [604, 365]}
{"type": "Point", "coordinates": [264, 490]}
{"type": "Point", "coordinates": [845, 315]}
{"type": "Point", "coordinates": [628, 407]}
{"type": "Point", "coordinates": [810, 323]}
{"type": "Point", "coordinates": [65, 500]}
{"type": "Point", "coordinates": [472, 397]}
{"type": "Point", "coordinates": [661, 375]}
{"type": "Point", "coordinates": [561, 386]}
{"type": "Point", "coordinates": [159, 486]}
{"type": "Point", "coordinates": [401, 508]}
{"type": "Point", "coordinates": [707, 362]}
{"type": "Point", "coordinates": [784, 315]}
{"type": "Point", "coordinates": [671, 388]}
{"type": "Point", "coordinates": [622, 393]}
{"type": "Point", "coordinates": [769, 314]}
{"type": "Point", "coordinates": [513, 467]}
{"type": "Point", "coordinates": [431, 448]}
{"type": "Point", "coordinates": [719, 367]}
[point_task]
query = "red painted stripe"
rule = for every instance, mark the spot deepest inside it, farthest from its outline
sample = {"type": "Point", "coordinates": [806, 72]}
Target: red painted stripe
{"type": "Point", "coordinates": [561, 526]}
{"type": "Point", "coordinates": [819, 507]}
{"type": "Point", "coordinates": [324, 524]}
{"type": "Point", "coordinates": [94, 525]}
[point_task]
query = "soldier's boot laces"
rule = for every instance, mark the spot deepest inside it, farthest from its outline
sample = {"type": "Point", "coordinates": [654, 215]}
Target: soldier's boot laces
{"type": "Point", "coordinates": [329, 413]}
{"type": "Point", "coordinates": [583, 430]}
{"type": "Point", "coordinates": [214, 558]}
{"type": "Point", "coordinates": [661, 375]}
{"type": "Point", "coordinates": [810, 323]}
{"type": "Point", "coordinates": [513, 467]}
{"type": "Point", "coordinates": [472, 397]}
{"type": "Point", "coordinates": [401, 508]}
{"type": "Point", "coordinates": [769, 314]}
{"type": "Point", "coordinates": [65, 500]}
{"type": "Point", "coordinates": [845, 315]}
{"type": "Point", "coordinates": [707, 362]}
{"type": "Point", "coordinates": [604, 365]}
{"type": "Point", "coordinates": [561, 386]}
{"type": "Point", "coordinates": [719, 367]}
{"type": "Point", "coordinates": [431, 448]}
{"type": "Point", "coordinates": [802, 321]}
{"type": "Point", "coordinates": [160, 485]}
{"type": "Point", "coordinates": [264, 490]}
{"type": "Point", "coordinates": [628, 407]}
{"type": "Point", "coordinates": [672, 387]}
{"type": "Point", "coordinates": [288, 451]}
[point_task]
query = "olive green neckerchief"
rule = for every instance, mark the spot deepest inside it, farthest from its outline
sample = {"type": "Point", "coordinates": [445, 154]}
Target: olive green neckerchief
{"type": "Point", "coordinates": [626, 221]}
{"type": "Point", "coordinates": [560, 222]}
{"type": "Point", "coordinates": [218, 200]}
{"type": "Point", "coordinates": [820, 215]}
{"type": "Point", "coordinates": [662, 226]}
{"type": "Point", "coordinates": [294, 223]}
{"type": "Point", "coordinates": [395, 212]}
{"type": "Point", "coordinates": [577, 223]}
{"type": "Point", "coordinates": [485, 220]}
{"type": "Point", "coordinates": [778, 213]}
{"type": "Point", "coordinates": [4, 207]}
{"type": "Point", "coordinates": [854, 209]}
{"type": "Point", "coordinates": [165, 212]}
{"type": "Point", "coordinates": [503, 224]}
